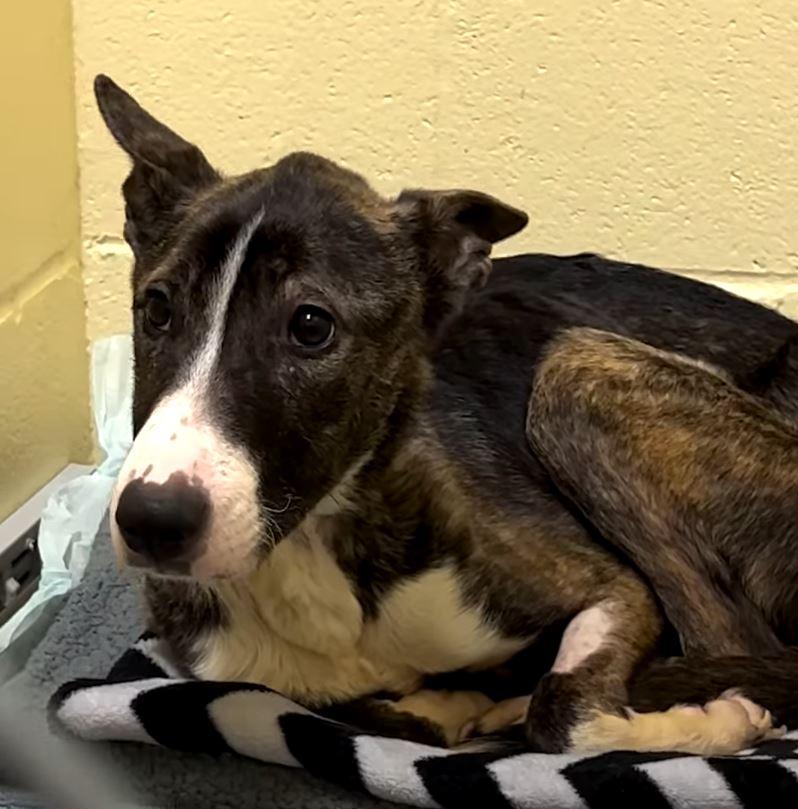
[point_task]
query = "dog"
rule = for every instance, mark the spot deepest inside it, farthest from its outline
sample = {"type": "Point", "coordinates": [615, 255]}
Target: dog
{"type": "Point", "coordinates": [367, 455]}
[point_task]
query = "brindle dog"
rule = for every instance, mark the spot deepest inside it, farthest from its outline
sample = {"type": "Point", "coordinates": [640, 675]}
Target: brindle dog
{"type": "Point", "coordinates": [362, 460]}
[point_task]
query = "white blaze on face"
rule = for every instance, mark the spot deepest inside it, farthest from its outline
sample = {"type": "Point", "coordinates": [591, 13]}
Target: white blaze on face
{"type": "Point", "coordinates": [179, 437]}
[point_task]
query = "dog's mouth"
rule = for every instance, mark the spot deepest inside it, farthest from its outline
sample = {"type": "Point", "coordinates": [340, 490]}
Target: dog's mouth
{"type": "Point", "coordinates": [172, 569]}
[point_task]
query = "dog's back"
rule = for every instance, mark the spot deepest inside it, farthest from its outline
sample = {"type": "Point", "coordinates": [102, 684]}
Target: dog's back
{"type": "Point", "coordinates": [486, 359]}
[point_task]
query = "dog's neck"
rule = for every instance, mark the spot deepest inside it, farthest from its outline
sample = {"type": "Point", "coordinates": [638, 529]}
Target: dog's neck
{"type": "Point", "coordinates": [394, 511]}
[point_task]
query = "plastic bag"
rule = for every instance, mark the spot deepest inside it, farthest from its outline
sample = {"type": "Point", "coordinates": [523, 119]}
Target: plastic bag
{"type": "Point", "coordinates": [72, 516]}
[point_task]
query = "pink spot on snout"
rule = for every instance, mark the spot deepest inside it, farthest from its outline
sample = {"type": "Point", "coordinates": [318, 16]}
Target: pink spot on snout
{"type": "Point", "coordinates": [184, 421]}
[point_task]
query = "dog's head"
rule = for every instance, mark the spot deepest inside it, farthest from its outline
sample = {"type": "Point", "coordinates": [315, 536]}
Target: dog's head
{"type": "Point", "coordinates": [280, 318]}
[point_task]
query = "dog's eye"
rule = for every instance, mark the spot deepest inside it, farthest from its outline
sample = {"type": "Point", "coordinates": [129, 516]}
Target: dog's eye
{"type": "Point", "coordinates": [157, 310]}
{"type": "Point", "coordinates": [312, 327]}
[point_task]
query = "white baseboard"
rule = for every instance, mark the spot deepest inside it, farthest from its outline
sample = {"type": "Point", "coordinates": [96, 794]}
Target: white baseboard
{"type": "Point", "coordinates": [20, 563]}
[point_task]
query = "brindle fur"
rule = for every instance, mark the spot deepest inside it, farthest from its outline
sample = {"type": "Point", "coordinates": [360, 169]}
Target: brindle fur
{"type": "Point", "coordinates": [697, 483]}
{"type": "Point", "coordinates": [434, 398]}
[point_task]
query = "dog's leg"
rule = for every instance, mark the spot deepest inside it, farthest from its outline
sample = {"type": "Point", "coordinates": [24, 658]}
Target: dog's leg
{"type": "Point", "coordinates": [439, 718]}
{"type": "Point", "coordinates": [453, 712]}
{"type": "Point", "coordinates": [691, 478]}
{"type": "Point", "coordinates": [686, 475]}
{"type": "Point", "coordinates": [580, 705]}
{"type": "Point", "coordinates": [771, 681]}
{"type": "Point", "coordinates": [600, 649]}
{"type": "Point", "coordinates": [606, 641]}
{"type": "Point", "coordinates": [722, 726]}
{"type": "Point", "coordinates": [726, 725]}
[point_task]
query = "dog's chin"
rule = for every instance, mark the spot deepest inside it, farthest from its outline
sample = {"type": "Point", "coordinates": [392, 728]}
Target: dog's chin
{"type": "Point", "coordinates": [205, 569]}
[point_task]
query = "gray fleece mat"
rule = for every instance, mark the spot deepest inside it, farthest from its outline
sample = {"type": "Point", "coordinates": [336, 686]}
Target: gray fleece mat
{"type": "Point", "coordinates": [95, 625]}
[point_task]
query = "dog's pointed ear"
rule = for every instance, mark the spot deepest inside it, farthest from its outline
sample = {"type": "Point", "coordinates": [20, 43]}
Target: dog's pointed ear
{"type": "Point", "coordinates": [454, 232]}
{"type": "Point", "coordinates": [166, 171]}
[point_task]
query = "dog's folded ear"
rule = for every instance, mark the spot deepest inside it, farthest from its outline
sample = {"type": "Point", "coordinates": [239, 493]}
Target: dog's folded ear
{"type": "Point", "coordinates": [166, 171]}
{"type": "Point", "coordinates": [454, 232]}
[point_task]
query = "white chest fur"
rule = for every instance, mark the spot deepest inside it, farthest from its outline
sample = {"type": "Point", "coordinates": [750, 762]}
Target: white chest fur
{"type": "Point", "coordinates": [296, 626]}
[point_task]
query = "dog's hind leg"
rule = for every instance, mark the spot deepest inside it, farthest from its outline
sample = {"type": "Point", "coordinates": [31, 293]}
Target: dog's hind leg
{"type": "Point", "coordinates": [696, 483]}
{"type": "Point", "coordinates": [693, 480]}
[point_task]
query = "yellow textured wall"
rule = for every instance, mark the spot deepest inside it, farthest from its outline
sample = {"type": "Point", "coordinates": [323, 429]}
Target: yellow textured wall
{"type": "Point", "coordinates": [44, 411]}
{"type": "Point", "coordinates": [663, 132]}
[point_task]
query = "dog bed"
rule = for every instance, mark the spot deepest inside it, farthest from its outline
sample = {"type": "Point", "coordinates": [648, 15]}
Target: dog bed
{"type": "Point", "coordinates": [219, 744]}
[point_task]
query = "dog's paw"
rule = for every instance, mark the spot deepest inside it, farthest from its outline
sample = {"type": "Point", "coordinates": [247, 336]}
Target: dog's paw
{"type": "Point", "coordinates": [723, 726]}
{"type": "Point", "coordinates": [753, 725]}
{"type": "Point", "coordinates": [501, 716]}
{"type": "Point", "coordinates": [452, 711]}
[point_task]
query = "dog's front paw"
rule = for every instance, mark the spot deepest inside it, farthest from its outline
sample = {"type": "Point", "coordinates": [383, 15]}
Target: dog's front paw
{"type": "Point", "coordinates": [724, 726]}
{"type": "Point", "coordinates": [453, 712]}
{"type": "Point", "coordinates": [501, 716]}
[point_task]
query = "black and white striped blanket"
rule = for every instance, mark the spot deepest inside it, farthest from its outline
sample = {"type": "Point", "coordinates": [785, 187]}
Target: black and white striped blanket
{"type": "Point", "coordinates": [144, 699]}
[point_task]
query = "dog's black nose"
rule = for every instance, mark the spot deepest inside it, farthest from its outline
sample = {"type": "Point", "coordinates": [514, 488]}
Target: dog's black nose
{"type": "Point", "coordinates": [161, 521]}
